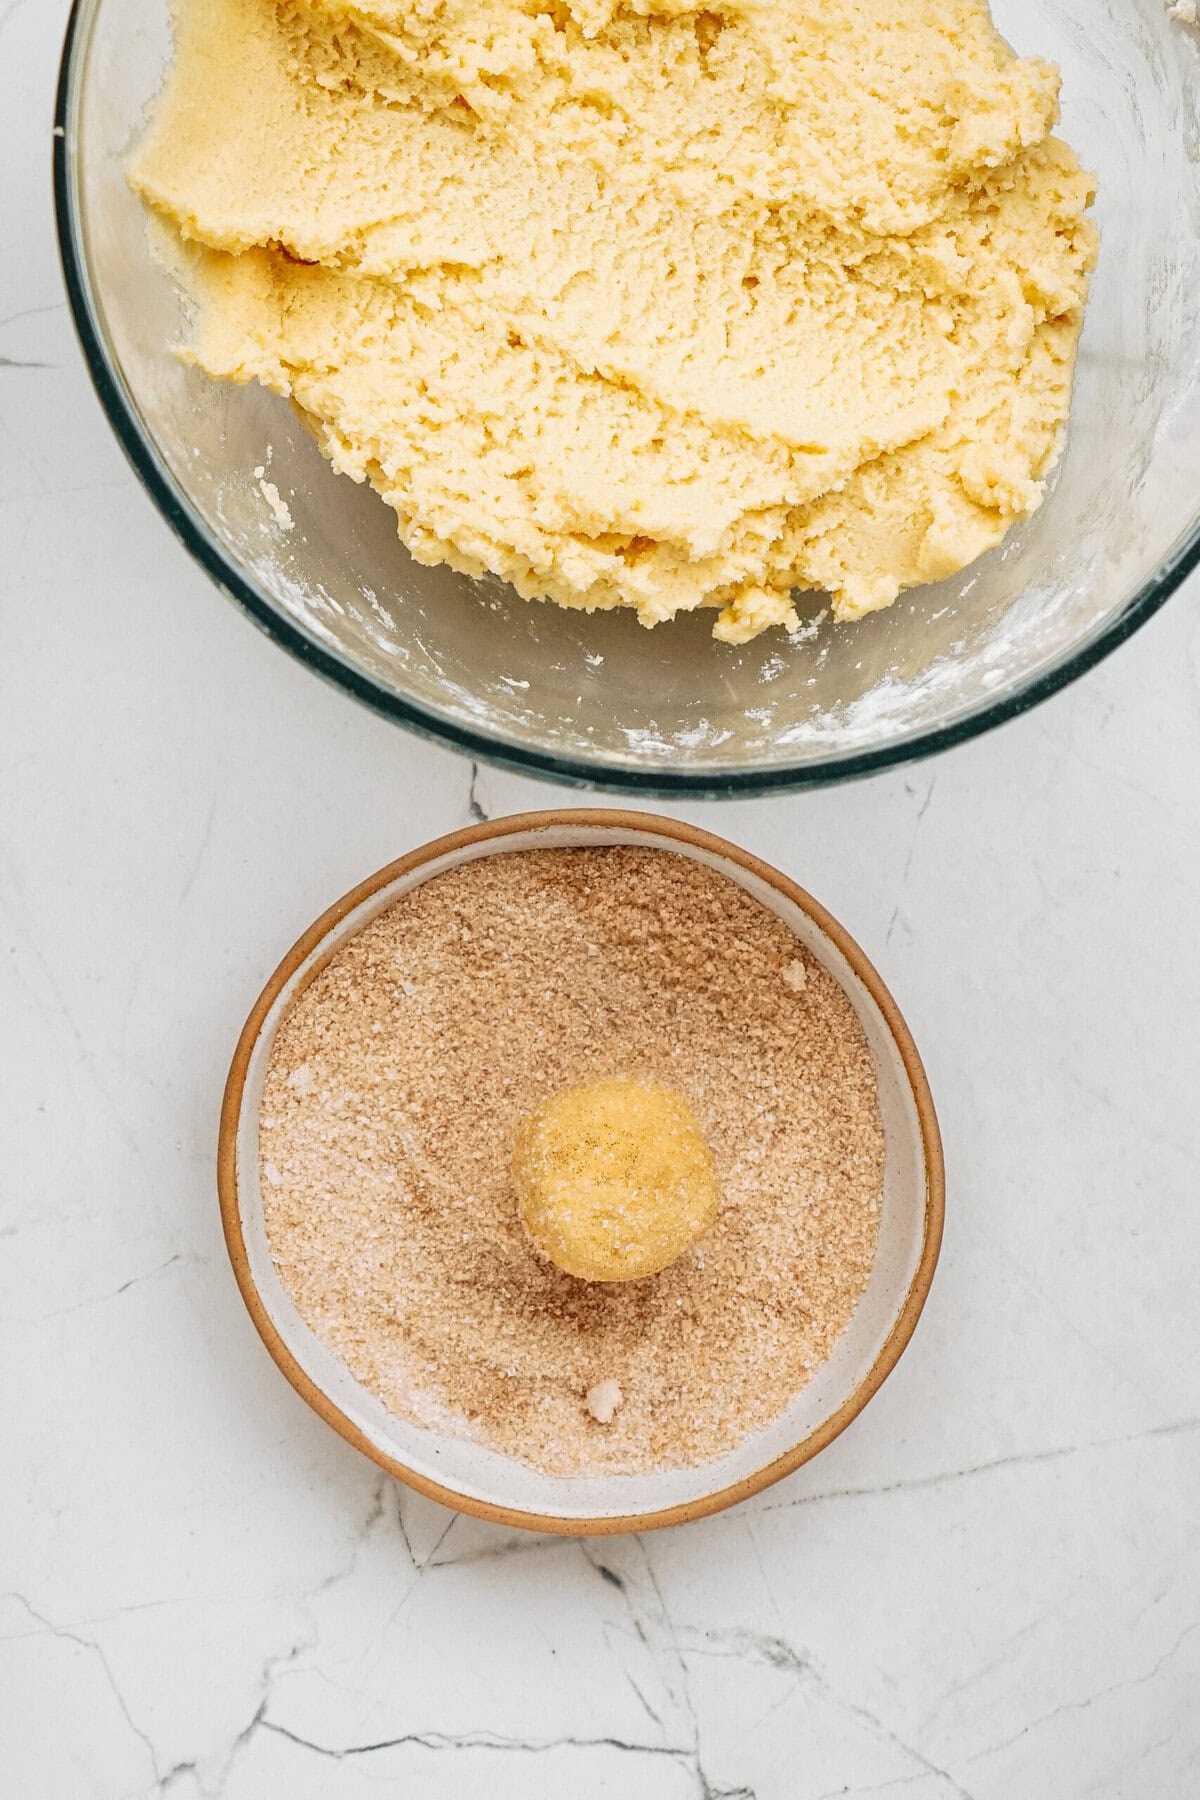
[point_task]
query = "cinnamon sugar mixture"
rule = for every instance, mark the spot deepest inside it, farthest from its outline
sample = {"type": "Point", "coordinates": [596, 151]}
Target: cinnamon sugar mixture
{"type": "Point", "coordinates": [395, 1087]}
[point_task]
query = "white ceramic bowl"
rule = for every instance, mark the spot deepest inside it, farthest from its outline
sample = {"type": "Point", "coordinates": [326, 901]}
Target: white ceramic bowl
{"type": "Point", "coordinates": [473, 1478]}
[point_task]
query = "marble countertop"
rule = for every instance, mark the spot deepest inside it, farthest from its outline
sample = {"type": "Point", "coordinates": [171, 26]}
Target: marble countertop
{"type": "Point", "coordinates": [989, 1589]}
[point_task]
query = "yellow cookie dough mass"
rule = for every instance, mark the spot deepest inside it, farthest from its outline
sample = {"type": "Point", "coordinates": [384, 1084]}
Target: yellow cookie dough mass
{"type": "Point", "coordinates": [614, 1179]}
{"type": "Point", "coordinates": [649, 304]}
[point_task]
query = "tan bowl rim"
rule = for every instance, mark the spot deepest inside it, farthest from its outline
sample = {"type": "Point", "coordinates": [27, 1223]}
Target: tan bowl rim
{"type": "Point", "coordinates": [672, 832]}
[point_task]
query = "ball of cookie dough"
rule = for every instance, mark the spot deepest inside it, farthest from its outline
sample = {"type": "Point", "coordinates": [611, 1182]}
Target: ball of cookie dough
{"type": "Point", "coordinates": [614, 1179]}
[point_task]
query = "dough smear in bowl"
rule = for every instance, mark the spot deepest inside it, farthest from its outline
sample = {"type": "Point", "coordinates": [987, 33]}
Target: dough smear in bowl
{"type": "Point", "coordinates": [642, 305]}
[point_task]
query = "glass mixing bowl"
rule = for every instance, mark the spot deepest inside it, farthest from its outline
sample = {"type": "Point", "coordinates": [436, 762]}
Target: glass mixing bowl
{"type": "Point", "coordinates": [598, 699]}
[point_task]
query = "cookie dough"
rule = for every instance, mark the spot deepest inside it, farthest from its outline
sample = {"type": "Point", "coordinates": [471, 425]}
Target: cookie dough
{"type": "Point", "coordinates": [614, 1179]}
{"type": "Point", "coordinates": [648, 304]}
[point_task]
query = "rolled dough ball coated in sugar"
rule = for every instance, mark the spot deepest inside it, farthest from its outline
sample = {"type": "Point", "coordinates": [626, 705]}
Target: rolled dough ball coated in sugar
{"type": "Point", "coordinates": [615, 1179]}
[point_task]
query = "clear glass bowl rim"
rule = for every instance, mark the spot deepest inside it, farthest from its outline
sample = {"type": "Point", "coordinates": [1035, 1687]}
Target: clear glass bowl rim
{"type": "Point", "coordinates": [500, 751]}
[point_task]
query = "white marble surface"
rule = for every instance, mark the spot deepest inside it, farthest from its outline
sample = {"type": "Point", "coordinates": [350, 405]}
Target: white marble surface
{"type": "Point", "coordinates": [989, 1588]}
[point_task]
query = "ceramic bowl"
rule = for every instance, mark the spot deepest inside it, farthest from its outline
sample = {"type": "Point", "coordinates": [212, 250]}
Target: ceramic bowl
{"type": "Point", "coordinates": [478, 1480]}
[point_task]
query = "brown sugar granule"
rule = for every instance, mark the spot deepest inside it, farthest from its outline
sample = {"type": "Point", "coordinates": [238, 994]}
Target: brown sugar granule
{"type": "Point", "coordinates": [396, 1083]}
